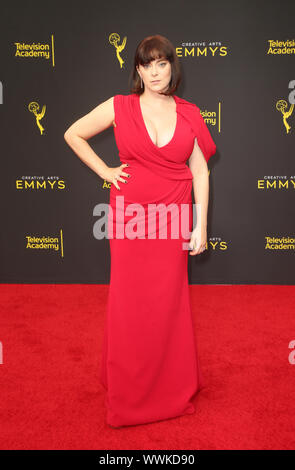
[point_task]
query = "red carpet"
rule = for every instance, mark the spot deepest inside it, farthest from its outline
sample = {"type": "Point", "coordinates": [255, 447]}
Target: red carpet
{"type": "Point", "coordinates": [51, 397]}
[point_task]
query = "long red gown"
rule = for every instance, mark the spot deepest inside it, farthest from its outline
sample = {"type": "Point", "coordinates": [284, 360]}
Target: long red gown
{"type": "Point", "coordinates": [150, 366]}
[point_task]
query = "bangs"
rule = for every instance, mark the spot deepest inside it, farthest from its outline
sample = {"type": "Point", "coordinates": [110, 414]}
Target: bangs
{"type": "Point", "coordinates": [150, 51]}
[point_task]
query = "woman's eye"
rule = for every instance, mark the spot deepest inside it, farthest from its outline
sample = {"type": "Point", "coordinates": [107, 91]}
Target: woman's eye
{"type": "Point", "coordinates": [163, 63]}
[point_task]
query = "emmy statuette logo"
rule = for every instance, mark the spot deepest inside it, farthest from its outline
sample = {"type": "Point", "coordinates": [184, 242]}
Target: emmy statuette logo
{"type": "Point", "coordinates": [34, 108]}
{"type": "Point", "coordinates": [114, 39]}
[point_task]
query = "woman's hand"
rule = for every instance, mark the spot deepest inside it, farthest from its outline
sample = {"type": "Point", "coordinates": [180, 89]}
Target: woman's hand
{"type": "Point", "coordinates": [112, 175]}
{"type": "Point", "coordinates": [198, 240]}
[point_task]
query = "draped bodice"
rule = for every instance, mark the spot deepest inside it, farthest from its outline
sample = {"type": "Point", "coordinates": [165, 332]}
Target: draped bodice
{"type": "Point", "coordinates": [169, 161]}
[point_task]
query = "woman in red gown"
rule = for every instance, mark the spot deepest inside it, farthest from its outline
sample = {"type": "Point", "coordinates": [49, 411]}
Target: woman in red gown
{"type": "Point", "coordinates": [150, 367]}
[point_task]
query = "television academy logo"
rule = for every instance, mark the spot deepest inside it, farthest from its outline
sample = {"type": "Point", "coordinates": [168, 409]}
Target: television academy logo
{"type": "Point", "coordinates": [46, 243]}
{"type": "Point", "coordinates": [279, 243]}
{"type": "Point", "coordinates": [281, 47]}
{"type": "Point", "coordinates": [36, 51]}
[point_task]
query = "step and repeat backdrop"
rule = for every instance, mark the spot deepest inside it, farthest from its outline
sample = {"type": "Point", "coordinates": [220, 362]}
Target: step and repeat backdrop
{"type": "Point", "coordinates": [59, 61]}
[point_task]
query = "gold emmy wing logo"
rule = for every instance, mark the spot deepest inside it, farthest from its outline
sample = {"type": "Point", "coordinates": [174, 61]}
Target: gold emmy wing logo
{"type": "Point", "coordinates": [281, 106]}
{"type": "Point", "coordinates": [114, 39]}
{"type": "Point", "coordinates": [34, 108]}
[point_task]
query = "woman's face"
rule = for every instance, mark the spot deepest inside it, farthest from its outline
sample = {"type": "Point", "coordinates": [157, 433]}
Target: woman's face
{"type": "Point", "coordinates": [156, 74]}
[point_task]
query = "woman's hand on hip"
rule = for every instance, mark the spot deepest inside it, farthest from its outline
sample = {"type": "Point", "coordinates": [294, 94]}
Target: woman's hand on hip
{"type": "Point", "coordinates": [113, 175]}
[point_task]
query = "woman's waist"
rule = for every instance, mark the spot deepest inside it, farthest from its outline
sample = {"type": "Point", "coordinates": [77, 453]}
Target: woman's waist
{"type": "Point", "coordinates": [146, 187]}
{"type": "Point", "coordinates": [158, 168]}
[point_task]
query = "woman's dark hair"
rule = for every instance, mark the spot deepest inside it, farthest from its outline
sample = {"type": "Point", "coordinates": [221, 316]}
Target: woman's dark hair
{"type": "Point", "coordinates": [155, 47]}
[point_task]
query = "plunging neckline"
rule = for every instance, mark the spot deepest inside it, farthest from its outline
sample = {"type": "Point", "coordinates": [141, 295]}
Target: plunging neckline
{"type": "Point", "coordinates": [146, 131]}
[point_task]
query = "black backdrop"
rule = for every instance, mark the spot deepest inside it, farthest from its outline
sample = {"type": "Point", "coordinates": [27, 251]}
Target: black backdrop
{"type": "Point", "coordinates": [235, 67]}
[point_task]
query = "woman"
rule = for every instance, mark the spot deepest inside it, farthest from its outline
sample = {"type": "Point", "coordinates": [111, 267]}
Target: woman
{"type": "Point", "coordinates": [150, 366]}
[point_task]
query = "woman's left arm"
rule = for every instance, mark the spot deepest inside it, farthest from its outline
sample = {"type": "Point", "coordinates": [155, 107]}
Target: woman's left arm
{"type": "Point", "coordinates": [199, 169]}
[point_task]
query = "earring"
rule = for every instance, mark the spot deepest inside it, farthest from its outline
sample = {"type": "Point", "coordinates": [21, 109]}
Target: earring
{"type": "Point", "coordinates": [141, 82]}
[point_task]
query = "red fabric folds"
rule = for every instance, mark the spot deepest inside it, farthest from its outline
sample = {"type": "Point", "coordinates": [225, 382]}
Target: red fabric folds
{"type": "Point", "coordinates": [150, 366]}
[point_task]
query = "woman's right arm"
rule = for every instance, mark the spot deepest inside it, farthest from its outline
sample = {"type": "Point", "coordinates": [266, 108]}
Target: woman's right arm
{"type": "Point", "coordinates": [76, 136]}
